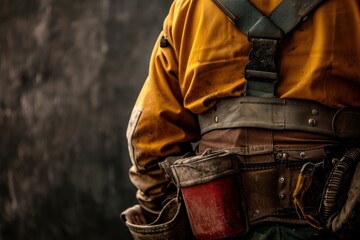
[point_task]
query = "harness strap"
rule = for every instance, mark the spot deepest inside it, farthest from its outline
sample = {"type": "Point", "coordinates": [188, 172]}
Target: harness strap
{"type": "Point", "coordinates": [286, 16]}
{"type": "Point", "coordinates": [265, 34]}
{"type": "Point", "coordinates": [289, 13]}
{"type": "Point", "coordinates": [243, 14]}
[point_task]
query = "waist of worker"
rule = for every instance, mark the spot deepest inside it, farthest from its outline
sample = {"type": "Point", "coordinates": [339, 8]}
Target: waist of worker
{"type": "Point", "coordinates": [282, 114]}
{"type": "Point", "coordinates": [269, 164]}
{"type": "Point", "coordinates": [268, 181]}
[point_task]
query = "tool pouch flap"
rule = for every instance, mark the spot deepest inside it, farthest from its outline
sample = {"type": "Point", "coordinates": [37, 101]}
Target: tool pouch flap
{"type": "Point", "coordinates": [203, 168]}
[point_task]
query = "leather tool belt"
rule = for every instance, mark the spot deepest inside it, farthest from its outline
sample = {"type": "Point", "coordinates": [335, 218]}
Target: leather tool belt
{"type": "Point", "coordinates": [282, 114]}
{"type": "Point", "coordinates": [268, 186]}
{"type": "Point", "coordinates": [269, 178]}
{"type": "Point", "coordinates": [268, 182]}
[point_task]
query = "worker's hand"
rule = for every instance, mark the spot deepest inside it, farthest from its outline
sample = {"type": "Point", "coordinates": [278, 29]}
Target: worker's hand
{"type": "Point", "coordinates": [134, 215]}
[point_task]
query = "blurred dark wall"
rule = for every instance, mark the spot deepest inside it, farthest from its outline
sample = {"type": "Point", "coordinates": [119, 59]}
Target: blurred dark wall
{"type": "Point", "coordinates": [70, 71]}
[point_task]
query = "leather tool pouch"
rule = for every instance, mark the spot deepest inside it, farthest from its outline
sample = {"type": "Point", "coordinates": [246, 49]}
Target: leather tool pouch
{"type": "Point", "coordinates": [172, 223]}
{"type": "Point", "coordinates": [211, 190]}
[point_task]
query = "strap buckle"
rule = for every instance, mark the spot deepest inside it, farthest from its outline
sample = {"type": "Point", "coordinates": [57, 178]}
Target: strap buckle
{"type": "Point", "coordinates": [261, 72]}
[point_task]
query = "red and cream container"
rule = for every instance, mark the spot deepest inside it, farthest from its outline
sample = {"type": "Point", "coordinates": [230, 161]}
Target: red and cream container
{"type": "Point", "coordinates": [211, 189]}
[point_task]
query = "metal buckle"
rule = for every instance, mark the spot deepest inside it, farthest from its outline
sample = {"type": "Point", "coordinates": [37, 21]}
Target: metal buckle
{"type": "Point", "coordinates": [309, 168]}
{"type": "Point", "coordinates": [262, 58]}
{"type": "Point", "coordinates": [261, 72]}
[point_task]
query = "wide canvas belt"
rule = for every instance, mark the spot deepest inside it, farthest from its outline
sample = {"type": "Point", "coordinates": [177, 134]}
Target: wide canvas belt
{"type": "Point", "coordinates": [281, 114]}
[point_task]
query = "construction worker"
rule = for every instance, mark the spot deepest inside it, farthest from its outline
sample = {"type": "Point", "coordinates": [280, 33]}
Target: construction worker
{"type": "Point", "coordinates": [288, 106]}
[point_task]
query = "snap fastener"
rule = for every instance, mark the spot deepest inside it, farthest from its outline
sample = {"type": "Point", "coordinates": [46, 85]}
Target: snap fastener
{"type": "Point", "coordinates": [302, 154]}
{"type": "Point", "coordinates": [257, 211]}
{"type": "Point", "coordinates": [315, 111]}
{"type": "Point", "coordinates": [334, 161]}
{"type": "Point", "coordinates": [282, 180]}
{"type": "Point", "coordinates": [164, 42]}
{"type": "Point", "coordinates": [282, 196]}
{"type": "Point", "coordinates": [282, 156]}
{"type": "Point", "coordinates": [312, 122]}
{"type": "Point", "coordinates": [216, 119]}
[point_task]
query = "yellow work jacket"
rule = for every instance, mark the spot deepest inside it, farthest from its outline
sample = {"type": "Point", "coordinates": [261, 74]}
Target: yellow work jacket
{"type": "Point", "coordinates": [205, 59]}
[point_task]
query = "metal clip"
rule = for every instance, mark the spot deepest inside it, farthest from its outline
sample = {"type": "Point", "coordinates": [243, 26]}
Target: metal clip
{"type": "Point", "coordinates": [308, 169]}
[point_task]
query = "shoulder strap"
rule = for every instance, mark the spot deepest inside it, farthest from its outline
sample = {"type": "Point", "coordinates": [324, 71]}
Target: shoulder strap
{"type": "Point", "coordinates": [265, 34]}
{"type": "Point", "coordinates": [286, 16]}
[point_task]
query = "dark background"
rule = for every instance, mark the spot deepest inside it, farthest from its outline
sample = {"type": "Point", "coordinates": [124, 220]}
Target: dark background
{"type": "Point", "coordinates": [70, 71]}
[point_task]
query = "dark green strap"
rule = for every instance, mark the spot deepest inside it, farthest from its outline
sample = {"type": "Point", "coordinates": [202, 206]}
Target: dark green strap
{"type": "Point", "coordinates": [265, 33]}
{"type": "Point", "coordinates": [286, 16]}
{"type": "Point", "coordinates": [289, 13]}
{"type": "Point", "coordinates": [242, 13]}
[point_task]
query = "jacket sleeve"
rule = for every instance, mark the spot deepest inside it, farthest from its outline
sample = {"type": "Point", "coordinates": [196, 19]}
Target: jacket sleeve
{"type": "Point", "coordinates": [159, 125]}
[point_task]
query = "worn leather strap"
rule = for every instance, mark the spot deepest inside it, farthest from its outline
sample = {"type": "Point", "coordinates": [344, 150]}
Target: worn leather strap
{"type": "Point", "coordinates": [282, 114]}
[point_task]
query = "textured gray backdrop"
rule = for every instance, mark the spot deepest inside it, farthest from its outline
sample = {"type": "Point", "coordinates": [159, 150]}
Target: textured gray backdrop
{"type": "Point", "coordinates": [70, 71]}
